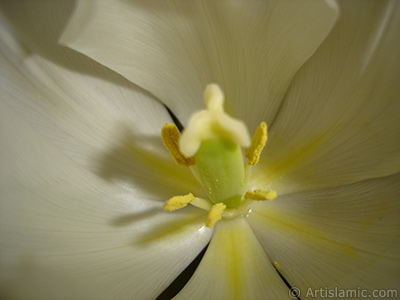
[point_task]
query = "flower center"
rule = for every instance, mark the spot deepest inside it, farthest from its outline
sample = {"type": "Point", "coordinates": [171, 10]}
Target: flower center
{"type": "Point", "coordinates": [211, 147]}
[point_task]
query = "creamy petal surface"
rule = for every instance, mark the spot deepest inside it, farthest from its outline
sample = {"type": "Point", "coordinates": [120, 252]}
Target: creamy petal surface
{"type": "Point", "coordinates": [95, 116]}
{"type": "Point", "coordinates": [252, 49]}
{"type": "Point", "coordinates": [66, 234]}
{"type": "Point", "coordinates": [346, 237]}
{"type": "Point", "coordinates": [339, 122]}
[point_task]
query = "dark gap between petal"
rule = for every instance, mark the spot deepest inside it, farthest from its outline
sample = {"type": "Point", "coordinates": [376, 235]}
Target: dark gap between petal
{"type": "Point", "coordinates": [177, 285]}
{"type": "Point", "coordinates": [293, 291]}
{"type": "Point", "coordinates": [175, 119]}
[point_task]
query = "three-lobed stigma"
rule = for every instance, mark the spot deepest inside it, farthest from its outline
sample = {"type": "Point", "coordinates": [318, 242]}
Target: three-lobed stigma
{"type": "Point", "coordinates": [211, 146]}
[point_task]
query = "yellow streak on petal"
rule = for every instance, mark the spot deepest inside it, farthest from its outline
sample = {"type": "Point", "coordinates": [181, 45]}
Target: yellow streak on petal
{"type": "Point", "coordinates": [178, 202]}
{"type": "Point", "coordinates": [215, 214]}
{"type": "Point", "coordinates": [296, 227]}
{"type": "Point", "coordinates": [260, 195]}
{"type": "Point", "coordinates": [299, 156]}
{"type": "Point", "coordinates": [170, 136]}
{"type": "Point", "coordinates": [258, 141]}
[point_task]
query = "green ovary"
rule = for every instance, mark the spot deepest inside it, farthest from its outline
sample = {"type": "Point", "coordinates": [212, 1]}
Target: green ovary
{"type": "Point", "coordinates": [221, 170]}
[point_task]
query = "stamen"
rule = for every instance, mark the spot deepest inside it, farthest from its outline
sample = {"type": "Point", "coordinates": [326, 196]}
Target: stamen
{"type": "Point", "coordinates": [170, 136]}
{"type": "Point", "coordinates": [258, 141]}
{"type": "Point", "coordinates": [260, 195]}
{"type": "Point", "coordinates": [201, 203]}
{"type": "Point", "coordinates": [215, 214]}
{"type": "Point", "coordinates": [178, 202]}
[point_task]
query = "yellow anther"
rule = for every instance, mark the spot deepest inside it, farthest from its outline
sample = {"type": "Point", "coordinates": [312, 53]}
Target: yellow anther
{"type": "Point", "coordinates": [260, 195]}
{"type": "Point", "coordinates": [178, 202]}
{"type": "Point", "coordinates": [215, 214]}
{"type": "Point", "coordinates": [258, 141]}
{"type": "Point", "coordinates": [170, 136]}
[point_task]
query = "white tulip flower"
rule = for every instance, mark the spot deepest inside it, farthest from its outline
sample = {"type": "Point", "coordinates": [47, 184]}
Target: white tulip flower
{"type": "Point", "coordinates": [93, 206]}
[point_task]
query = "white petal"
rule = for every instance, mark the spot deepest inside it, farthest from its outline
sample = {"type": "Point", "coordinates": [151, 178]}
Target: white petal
{"type": "Point", "coordinates": [346, 237]}
{"type": "Point", "coordinates": [94, 115]}
{"type": "Point", "coordinates": [340, 120]}
{"type": "Point", "coordinates": [234, 266]}
{"type": "Point", "coordinates": [173, 49]}
{"type": "Point", "coordinates": [66, 234]}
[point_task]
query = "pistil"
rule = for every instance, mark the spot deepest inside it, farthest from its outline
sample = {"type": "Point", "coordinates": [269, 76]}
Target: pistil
{"type": "Point", "coordinates": [211, 146]}
{"type": "Point", "coordinates": [221, 171]}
